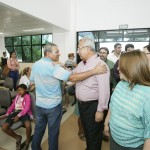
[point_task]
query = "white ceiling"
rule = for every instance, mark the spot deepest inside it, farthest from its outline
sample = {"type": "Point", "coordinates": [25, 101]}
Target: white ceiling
{"type": "Point", "coordinates": [13, 22]}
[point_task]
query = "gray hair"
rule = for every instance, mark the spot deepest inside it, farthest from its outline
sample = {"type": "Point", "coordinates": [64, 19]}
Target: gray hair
{"type": "Point", "coordinates": [48, 47]}
{"type": "Point", "coordinates": [89, 42]}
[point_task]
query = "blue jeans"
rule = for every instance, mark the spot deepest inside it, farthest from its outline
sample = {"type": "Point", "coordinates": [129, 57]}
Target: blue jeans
{"type": "Point", "coordinates": [53, 118]}
{"type": "Point", "coordinates": [14, 75]}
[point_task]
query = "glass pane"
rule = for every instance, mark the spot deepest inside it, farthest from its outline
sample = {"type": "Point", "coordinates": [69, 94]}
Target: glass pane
{"type": "Point", "coordinates": [9, 41]}
{"type": "Point", "coordinates": [19, 53]}
{"type": "Point", "coordinates": [110, 36]}
{"type": "Point", "coordinates": [26, 40]}
{"type": "Point", "coordinates": [36, 39]}
{"type": "Point", "coordinates": [26, 54]}
{"type": "Point", "coordinates": [46, 38]}
{"type": "Point", "coordinates": [91, 35]}
{"type": "Point", "coordinates": [17, 40]}
{"type": "Point", "coordinates": [10, 49]}
{"type": "Point", "coordinates": [36, 53]}
{"type": "Point", "coordinates": [137, 45]}
{"type": "Point", "coordinates": [86, 34]}
{"type": "Point", "coordinates": [140, 35]}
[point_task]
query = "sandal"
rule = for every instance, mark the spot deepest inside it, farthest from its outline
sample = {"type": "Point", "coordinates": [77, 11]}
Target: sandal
{"type": "Point", "coordinates": [26, 146]}
{"type": "Point", "coordinates": [18, 143]}
{"type": "Point", "coordinates": [82, 136]}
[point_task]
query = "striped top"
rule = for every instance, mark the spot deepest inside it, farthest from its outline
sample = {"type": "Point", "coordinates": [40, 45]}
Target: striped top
{"type": "Point", "coordinates": [130, 114]}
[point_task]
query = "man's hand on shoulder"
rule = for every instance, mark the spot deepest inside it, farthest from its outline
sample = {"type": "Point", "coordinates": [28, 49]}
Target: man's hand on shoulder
{"type": "Point", "coordinates": [100, 69]}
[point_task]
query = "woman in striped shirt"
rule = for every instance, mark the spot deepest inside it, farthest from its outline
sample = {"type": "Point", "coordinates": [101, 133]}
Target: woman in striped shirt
{"type": "Point", "coordinates": [129, 114]}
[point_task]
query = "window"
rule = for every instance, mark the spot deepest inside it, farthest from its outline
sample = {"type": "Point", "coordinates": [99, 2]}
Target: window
{"type": "Point", "coordinates": [46, 38]}
{"type": "Point", "coordinates": [28, 48]}
{"type": "Point", "coordinates": [107, 38]}
{"type": "Point", "coordinates": [26, 40]}
{"type": "Point", "coordinates": [9, 41]}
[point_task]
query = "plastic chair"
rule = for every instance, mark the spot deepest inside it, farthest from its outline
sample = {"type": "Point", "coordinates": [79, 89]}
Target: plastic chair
{"type": "Point", "coordinates": [9, 83]}
{"type": "Point", "coordinates": [5, 100]}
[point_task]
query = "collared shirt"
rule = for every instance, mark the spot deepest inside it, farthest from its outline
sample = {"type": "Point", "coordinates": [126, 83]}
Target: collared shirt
{"type": "Point", "coordinates": [130, 114]}
{"type": "Point", "coordinates": [95, 87]}
{"type": "Point", "coordinates": [46, 76]}
{"type": "Point", "coordinates": [113, 57]}
{"type": "Point", "coordinates": [111, 67]}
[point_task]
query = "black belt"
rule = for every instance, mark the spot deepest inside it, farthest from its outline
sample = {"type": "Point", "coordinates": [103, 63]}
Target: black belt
{"type": "Point", "coordinates": [87, 102]}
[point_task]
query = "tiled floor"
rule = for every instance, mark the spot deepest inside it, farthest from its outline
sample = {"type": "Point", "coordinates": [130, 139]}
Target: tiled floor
{"type": "Point", "coordinates": [68, 139]}
{"type": "Point", "coordinates": [8, 143]}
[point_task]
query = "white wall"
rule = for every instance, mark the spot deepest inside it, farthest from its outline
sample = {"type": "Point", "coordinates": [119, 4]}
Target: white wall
{"type": "Point", "coordinates": [67, 41]}
{"type": "Point", "coordinates": [109, 14]}
{"type": "Point", "coordinates": [2, 45]}
{"type": "Point", "coordinates": [56, 12]}
{"type": "Point", "coordinates": [60, 13]}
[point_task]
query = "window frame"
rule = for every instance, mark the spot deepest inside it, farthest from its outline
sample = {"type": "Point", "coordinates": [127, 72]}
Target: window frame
{"type": "Point", "coordinates": [31, 45]}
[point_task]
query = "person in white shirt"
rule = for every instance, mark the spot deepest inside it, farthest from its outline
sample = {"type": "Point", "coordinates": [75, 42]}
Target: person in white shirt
{"type": "Point", "coordinates": [25, 79]}
{"type": "Point", "coordinates": [116, 53]}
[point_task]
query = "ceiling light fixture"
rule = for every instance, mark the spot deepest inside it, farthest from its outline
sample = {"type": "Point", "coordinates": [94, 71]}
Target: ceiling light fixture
{"type": "Point", "coordinates": [29, 30]}
{"type": "Point", "coordinates": [1, 33]}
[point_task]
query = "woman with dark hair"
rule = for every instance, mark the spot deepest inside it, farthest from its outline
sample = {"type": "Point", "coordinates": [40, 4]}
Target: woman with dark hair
{"type": "Point", "coordinates": [14, 66]}
{"type": "Point", "coordinates": [129, 113]}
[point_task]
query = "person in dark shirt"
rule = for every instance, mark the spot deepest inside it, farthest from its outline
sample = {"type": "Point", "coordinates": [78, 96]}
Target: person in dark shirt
{"type": "Point", "coordinates": [4, 60]}
{"type": "Point", "coordinates": [128, 48]}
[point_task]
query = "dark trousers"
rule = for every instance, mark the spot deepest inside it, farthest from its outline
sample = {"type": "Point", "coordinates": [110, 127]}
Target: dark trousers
{"type": "Point", "coordinates": [14, 75]}
{"type": "Point", "coordinates": [93, 130]}
{"type": "Point", "coordinates": [116, 146]}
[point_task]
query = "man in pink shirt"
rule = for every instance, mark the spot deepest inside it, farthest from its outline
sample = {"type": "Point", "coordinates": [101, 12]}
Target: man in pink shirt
{"type": "Point", "coordinates": [92, 94]}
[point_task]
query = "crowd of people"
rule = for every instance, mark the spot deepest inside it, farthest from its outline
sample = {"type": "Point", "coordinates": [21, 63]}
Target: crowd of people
{"type": "Point", "coordinates": [116, 105]}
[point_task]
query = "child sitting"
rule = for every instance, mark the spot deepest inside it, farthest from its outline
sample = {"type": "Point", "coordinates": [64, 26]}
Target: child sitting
{"type": "Point", "coordinates": [19, 110]}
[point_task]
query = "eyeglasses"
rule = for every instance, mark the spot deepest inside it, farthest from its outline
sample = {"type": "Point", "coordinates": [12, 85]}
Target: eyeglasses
{"type": "Point", "coordinates": [102, 52]}
{"type": "Point", "coordinates": [79, 48]}
{"type": "Point", "coordinates": [56, 52]}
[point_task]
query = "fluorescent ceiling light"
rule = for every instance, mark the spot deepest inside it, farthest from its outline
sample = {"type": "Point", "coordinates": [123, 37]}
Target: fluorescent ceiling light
{"type": "Point", "coordinates": [29, 30]}
{"type": "Point", "coordinates": [113, 32]}
{"type": "Point", "coordinates": [1, 33]}
{"type": "Point", "coordinates": [109, 40]}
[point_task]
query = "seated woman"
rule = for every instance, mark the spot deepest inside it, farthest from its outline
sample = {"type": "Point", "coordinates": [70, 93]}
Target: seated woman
{"type": "Point", "coordinates": [25, 79]}
{"type": "Point", "coordinates": [70, 63]}
{"type": "Point", "coordinates": [19, 110]}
